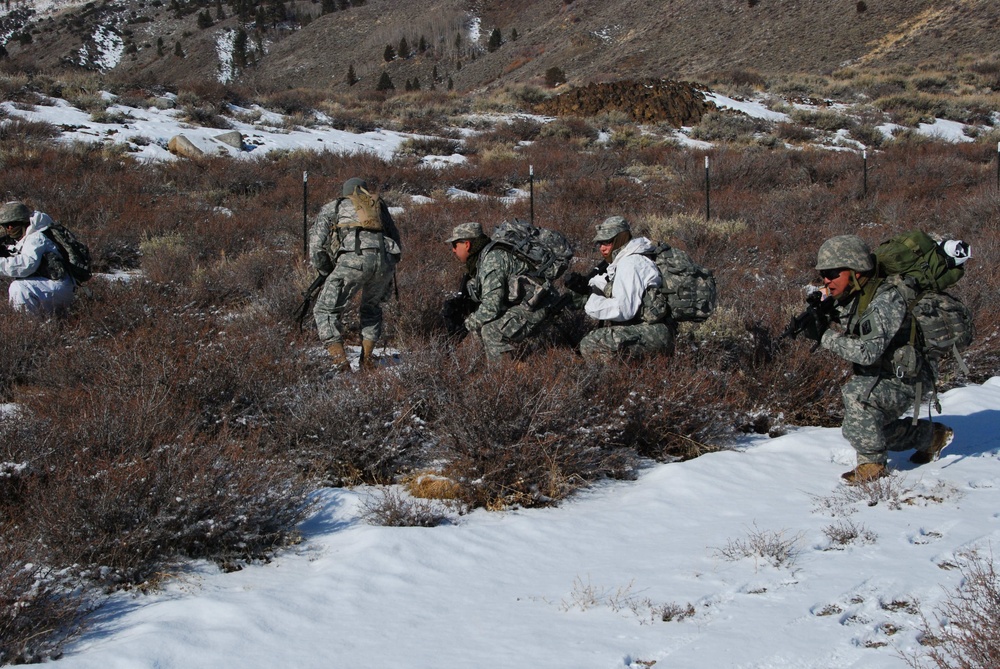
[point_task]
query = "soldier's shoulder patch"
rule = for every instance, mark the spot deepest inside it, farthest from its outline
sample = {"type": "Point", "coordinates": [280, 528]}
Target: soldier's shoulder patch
{"type": "Point", "coordinates": [866, 327]}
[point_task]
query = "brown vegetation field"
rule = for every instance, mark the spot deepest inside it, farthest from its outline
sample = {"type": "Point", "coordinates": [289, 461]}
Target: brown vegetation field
{"type": "Point", "coordinates": [181, 412]}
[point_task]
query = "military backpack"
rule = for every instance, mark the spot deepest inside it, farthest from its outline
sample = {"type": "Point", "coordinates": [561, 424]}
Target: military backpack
{"type": "Point", "coordinates": [941, 324]}
{"type": "Point", "coordinates": [369, 208]}
{"type": "Point", "coordinates": [689, 288]}
{"type": "Point", "coordinates": [547, 251]}
{"type": "Point", "coordinates": [75, 254]}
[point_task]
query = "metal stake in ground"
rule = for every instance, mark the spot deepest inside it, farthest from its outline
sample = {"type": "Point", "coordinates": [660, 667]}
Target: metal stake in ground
{"type": "Point", "coordinates": [531, 191]}
{"type": "Point", "coordinates": [305, 215]}
{"type": "Point", "coordinates": [708, 200]}
{"type": "Point", "coordinates": [864, 162]}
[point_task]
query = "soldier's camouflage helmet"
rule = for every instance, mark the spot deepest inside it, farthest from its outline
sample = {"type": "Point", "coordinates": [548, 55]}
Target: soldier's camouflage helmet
{"type": "Point", "coordinates": [610, 228]}
{"type": "Point", "coordinates": [848, 251]}
{"type": "Point", "coordinates": [352, 185]}
{"type": "Point", "coordinates": [465, 231]}
{"type": "Point", "coordinates": [14, 212]}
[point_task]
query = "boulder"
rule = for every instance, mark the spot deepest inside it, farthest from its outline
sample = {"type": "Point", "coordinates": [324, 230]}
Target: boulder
{"type": "Point", "coordinates": [179, 145]}
{"type": "Point", "coordinates": [233, 138]}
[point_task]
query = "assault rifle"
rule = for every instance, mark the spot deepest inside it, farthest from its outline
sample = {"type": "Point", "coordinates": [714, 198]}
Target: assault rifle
{"type": "Point", "coordinates": [814, 320]}
{"type": "Point", "coordinates": [309, 294]}
{"type": "Point", "coordinates": [580, 283]}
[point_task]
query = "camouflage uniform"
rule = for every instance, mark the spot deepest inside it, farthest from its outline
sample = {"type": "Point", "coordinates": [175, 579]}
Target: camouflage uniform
{"type": "Point", "coordinates": [359, 259]}
{"type": "Point", "coordinates": [646, 330]}
{"type": "Point", "coordinates": [875, 397]}
{"type": "Point", "coordinates": [502, 319]}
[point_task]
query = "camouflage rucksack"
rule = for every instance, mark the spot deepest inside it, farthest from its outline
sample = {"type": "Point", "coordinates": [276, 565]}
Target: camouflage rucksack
{"type": "Point", "coordinates": [369, 210]}
{"type": "Point", "coordinates": [547, 251]}
{"type": "Point", "coordinates": [689, 288]}
{"type": "Point", "coordinates": [941, 324]}
{"type": "Point", "coordinates": [75, 254]}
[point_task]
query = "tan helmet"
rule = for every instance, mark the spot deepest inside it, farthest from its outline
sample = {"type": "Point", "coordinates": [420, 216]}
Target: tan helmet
{"type": "Point", "coordinates": [848, 251]}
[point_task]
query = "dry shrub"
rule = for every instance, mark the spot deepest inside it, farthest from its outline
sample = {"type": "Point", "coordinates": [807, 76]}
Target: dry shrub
{"type": "Point", "coordinates": [717, 126]}
{"type": "Point", "coordinates": [391, 508]}
{"type": "Point", "coordinates": [18, 129]}
{"type": "Point", "coordinates": [39, 612]}
{"type": "Point", "coordinates": [775, 546]}
{"type": "Point", "coordinates": [529, 440]}
{"type": "Point", "coordinates": [967, 635]}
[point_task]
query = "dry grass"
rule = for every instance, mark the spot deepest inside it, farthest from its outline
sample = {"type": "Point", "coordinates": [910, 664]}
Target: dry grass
{"type": "Point", "coordinates": [967, 633]}
{"type": "Point", "coordinates": [193, 383]}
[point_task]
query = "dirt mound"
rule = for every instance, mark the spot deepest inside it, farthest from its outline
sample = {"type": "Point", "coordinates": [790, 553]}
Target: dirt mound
{"type": "Point", "coordinates": [678, 103]}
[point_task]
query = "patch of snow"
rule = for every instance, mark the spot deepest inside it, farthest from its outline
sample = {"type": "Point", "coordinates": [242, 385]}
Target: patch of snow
{"type": "Point", "coordinates": [224, 49]}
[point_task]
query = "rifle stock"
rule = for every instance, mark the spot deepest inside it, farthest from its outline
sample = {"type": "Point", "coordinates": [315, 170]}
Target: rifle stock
{"type": "Point", "coordinates": [308, 295]}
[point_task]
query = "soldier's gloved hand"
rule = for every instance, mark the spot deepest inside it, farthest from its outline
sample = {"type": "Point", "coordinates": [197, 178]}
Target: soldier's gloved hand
{"type": "Point", "coordinates": [814, 326]}
{"type": "Point", "coordinates": [323, 263]}
{"type": "Point", "coordinates": [577, 283]}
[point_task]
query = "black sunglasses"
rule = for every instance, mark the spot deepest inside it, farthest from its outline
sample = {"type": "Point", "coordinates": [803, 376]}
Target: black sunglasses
{"type": "Point", "coordinates": [831, 274]}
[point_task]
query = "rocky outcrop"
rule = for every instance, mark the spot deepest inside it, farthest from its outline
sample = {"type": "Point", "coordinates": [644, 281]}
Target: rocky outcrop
{"type": "Point", "coordinates": [678, 103]}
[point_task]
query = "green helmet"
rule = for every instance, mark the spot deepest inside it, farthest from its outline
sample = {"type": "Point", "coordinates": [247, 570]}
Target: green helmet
{"type": "Point", "coordinates": [352, 185]}
{"type": "Point", "coordinates": [848, 251]}
{"type": "Point", "coordinates": [15, 212]}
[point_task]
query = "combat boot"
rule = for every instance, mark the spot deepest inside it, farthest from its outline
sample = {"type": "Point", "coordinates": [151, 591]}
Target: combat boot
{"type": "Point", "coordinates": [367, 350]}
{"type": "Point", "coordinates": [943, 435]}
{"type": "Point", "coordinates": [865, 473]}
{"type": "Point", "coordinates": [338, 356]}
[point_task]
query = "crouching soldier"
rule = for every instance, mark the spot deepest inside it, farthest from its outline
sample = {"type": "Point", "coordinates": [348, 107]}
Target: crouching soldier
{"type": "Point", "coordinates": [876, 323]}
{"type": "Point", "coordinates": [41, 283]}
{"type": "Point", "coordinates": [623, 296]}
{"type": "Point", "coordinates": [500, 317]}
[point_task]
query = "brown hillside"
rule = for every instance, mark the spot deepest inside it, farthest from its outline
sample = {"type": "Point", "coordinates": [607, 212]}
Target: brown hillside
{"type": "Point", "coordinates": [589, 40]}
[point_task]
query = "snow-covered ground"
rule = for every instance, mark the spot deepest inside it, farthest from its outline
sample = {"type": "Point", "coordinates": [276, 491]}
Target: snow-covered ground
{"type": "Point", "coordinates": [585, 585]}
{"type": "Point", "coordinates": [147, 131]}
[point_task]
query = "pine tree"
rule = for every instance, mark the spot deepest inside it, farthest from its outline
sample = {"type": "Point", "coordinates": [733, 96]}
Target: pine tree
{"type": "Point", "coordinates": [159, 46]}
{"type": "Point", "coordinates": [451, 84]}
{"type": "Point", "coordinates": [404, 48]}
{"type": "Point", "coordinates": [554, 76]}
{"type": "Point", "coordinates": [496, 39]}
{"type": "Point", "coordinates": [416, 84]}
{"type": "Point", "coordinates": [178, 51]}
{"type": "Point", "coordinates": [513, 34]}
{"type": "Point", "coordinates": [204, 20]}
{"type": "Point", "coordinates": [384, 83]}
{"type": "Point", "coordinates": [434, 74]}
{"type": "Point", "coordinates": [422, 45]}
{"type": "Point", "coordinates": [389, 54]}
{"type": "Point", "coordinates": [351, 79]}
{"type": "Point", "coordinates": [240, 56]}
{"type": "Point", "coordinates": [220, 14]}
{"type": "Point", "coordinates": [327, 6]}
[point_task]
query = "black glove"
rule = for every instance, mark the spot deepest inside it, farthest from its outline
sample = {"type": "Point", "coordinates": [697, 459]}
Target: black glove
{"type": "Point", "coordinates": [577, 283]}
{"type": "Point", "coordinates": [815, 325]}
{"type": "Point", "coordinates": [324, 263]}
{"type": "Point", "coordinates": [454, 312]}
